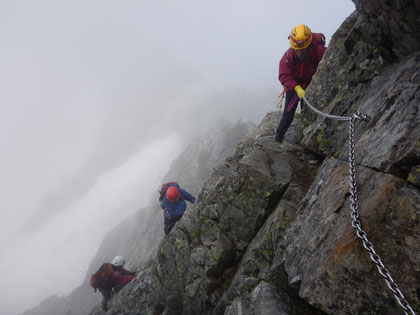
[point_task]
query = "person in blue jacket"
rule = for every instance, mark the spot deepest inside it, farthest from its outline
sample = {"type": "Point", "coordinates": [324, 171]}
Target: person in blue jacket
{"type": "Point", "coordinates": [172, 201]}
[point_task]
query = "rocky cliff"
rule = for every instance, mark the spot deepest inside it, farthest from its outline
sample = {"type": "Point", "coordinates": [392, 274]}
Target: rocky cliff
{"type": "Point", "coordinates": [271, 233]}
{"type": "Point", "coordinates": [138, 236]}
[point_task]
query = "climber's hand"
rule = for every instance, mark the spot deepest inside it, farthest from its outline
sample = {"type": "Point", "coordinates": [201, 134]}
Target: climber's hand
{"type": "Point", "coordinates": [300, 92]}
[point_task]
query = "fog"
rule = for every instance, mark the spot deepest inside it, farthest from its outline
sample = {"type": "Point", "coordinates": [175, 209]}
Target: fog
{"type": "Point", "coordinates": [98, 97]}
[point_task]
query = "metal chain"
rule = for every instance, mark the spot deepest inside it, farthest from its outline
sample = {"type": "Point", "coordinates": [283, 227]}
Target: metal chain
{"type": "Point", "coordinates": [325, 114]}
{"type": "Point", "coordinates": [356, 223]}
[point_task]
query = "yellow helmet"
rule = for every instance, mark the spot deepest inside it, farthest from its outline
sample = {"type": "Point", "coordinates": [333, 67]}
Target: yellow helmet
{"type": "Point", "coordinates": [300, 37]}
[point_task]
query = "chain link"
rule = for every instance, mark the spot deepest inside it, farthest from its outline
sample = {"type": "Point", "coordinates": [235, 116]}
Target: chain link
{"type": "Point", "coordinates": [325, 114]}
{"type": "Point", "coordinates": [356, 223]}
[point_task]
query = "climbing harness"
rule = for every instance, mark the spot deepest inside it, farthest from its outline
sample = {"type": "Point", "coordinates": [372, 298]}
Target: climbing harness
{"type": "Point", "coordinates": [356, 223]}
{"type": "Point", "coordinates": [281, 97]}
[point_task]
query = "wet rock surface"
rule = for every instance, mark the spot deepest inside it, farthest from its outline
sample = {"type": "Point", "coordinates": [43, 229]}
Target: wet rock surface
{"type": "Point", "coordinates": [331, 263]}
{"type": "Point", "coordinates": [271, 231]}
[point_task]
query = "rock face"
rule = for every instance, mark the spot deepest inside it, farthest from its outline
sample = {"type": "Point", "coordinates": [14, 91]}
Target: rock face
{"type": "Point", "coordinates": [332, 264]}
{"type": "Point", "coordinates": [138, 236]}
{"type": "Point", "coordinates": [225, 244]}
{"type": "Point", "coordinates": [271, 233]}
{"type": "Point", "coordinates": [370, 69]}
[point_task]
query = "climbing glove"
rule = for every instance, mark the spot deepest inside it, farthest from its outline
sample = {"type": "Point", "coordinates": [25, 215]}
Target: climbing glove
{"type": "Point", "coordinates": [300, 92]}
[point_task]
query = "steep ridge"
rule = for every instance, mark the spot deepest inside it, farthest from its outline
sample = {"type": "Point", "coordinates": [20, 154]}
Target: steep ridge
{"type": "Point", "coordinates": [196, 262]}
{"type": "Point", "coordinates": [372, 66]}
{"type": "Point", "coordinates": [271, 233]}
{"type": "Point", "coordinates": [138, 236]}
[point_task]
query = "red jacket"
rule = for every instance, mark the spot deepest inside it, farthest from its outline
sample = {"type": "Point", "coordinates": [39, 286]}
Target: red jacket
{"type": "Point", "coordinates": [120, 276]}
{"type": "Point", "coordinates": [294, 72]}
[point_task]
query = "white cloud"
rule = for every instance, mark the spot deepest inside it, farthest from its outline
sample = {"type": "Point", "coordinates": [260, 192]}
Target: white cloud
{"type": "Point", "coordinates": [54, 260]}
{"type": "Point", "coordinates": [84, 85]}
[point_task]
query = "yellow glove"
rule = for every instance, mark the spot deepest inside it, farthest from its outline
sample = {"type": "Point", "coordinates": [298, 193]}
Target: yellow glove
{"type": "Point", "coordinates": [300, 92]}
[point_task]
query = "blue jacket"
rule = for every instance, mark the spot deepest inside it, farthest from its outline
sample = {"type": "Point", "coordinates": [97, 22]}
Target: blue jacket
{"type": "Point", "coordinates": [175, 210]}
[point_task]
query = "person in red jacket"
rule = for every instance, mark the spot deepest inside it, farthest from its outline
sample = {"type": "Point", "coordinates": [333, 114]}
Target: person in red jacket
{"type": "Point", "coordinates": [297, 66]}
{"type": "Point", "coordinates": [119, 278]}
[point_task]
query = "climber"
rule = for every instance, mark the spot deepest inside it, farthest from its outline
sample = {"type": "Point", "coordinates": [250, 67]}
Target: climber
{"type": "Point", "coordinates": [172, 201]}
{"type": "Point", "coordinates": [111, 278]}
{"type": "Point", "coordinates": [297, 66]}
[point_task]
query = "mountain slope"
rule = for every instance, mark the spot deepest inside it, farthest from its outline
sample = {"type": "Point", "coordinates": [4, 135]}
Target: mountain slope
{"type": "Point", "coordinates": [271, 233]}
{"type": "Point", "coordinates": [138, 236]}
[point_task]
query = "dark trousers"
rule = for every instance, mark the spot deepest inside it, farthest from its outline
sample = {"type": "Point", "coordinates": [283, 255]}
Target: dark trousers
{"type": "Point", "coordinates": [168, 224]}
{"type": "Point", "coordinates": [107, 294]}
{"type": "Point", "coordinates": [288, 114]}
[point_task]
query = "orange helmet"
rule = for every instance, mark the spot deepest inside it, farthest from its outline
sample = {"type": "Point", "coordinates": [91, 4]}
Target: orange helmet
{"type": "Point", "coordinates": [300, 37]}
{"type": "Point", "coordinates": [172, 194]}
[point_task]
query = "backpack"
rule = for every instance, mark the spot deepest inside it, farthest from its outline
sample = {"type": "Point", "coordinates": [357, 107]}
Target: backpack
{"type": "Point", "coordinates": [163, 190]}
{"type": "Point", "coordinates": [99, 279]}
{"type": "Point", "coordinates": [318, 39]}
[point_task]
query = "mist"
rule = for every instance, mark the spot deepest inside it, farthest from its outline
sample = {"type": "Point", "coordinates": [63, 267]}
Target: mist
{"type": "Point", "coordinates": [99, 97]}
{"type": "Point", "coordinates": [64, 246]}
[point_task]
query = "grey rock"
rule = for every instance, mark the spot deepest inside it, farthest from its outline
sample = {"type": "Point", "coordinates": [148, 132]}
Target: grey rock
{"type": "Point", "coordinates": [270, 232]}
{"type": "Point", "coordinates": [414, 176]}
{"type": "Point", "coordinates": [336, 271]}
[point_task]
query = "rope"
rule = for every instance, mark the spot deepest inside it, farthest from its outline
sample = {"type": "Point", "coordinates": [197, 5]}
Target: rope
{"type": "Point", "coordinates": [356, 223]}
{"type": "Point", "coordinates": [281, 96]}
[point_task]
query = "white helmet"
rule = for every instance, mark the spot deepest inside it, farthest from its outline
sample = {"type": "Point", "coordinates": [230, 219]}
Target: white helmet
{"type": "Point", "coordinates": [118, 261]}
